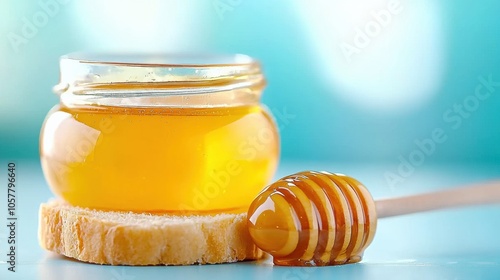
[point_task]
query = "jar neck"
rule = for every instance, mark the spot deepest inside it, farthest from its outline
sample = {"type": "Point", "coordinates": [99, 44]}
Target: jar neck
{"type": "Point", "coordinates": [134, 84]}
{"type": "Point", "coordinates": [147, 95]}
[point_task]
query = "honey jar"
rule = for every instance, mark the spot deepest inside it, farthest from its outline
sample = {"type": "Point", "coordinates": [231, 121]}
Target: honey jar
{"type": "Point", "coordinates": [145, 133]}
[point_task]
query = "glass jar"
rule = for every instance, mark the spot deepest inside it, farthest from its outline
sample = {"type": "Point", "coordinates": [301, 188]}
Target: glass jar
{"type": "Point", "coordinates": [159, 133]}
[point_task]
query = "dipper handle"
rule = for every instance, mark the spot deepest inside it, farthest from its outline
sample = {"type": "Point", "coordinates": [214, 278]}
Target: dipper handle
{"type": "Point", "coordinates": [475, 194]}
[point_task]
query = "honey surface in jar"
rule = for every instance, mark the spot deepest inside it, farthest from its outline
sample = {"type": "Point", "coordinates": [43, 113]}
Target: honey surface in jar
{"type": "Point", "coordinates": [159, 159]}
{"type": "Point", "coordinates": [313, 219]}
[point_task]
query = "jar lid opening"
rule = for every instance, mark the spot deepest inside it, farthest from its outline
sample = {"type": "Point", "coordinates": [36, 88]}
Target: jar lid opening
{"type": "Point", "coordinates": [179, 60]}
{"type": "Point", "coordinates": [98, 77]}
{"type": "Point", "coordinates": [82, 71]}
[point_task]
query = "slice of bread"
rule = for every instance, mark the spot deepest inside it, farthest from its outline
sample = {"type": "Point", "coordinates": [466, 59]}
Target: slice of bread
{"type": "Point", "coordinates": [123, 238]}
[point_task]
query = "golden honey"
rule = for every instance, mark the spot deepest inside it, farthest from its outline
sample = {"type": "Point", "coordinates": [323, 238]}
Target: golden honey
{"type": "Point", "coordinates": [159, 138]}
{"type": "Point", "coordinates": [313, 219]}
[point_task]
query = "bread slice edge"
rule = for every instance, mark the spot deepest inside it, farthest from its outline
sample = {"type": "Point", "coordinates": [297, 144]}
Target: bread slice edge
{"type": "Point", "coordinates": [126, 238]}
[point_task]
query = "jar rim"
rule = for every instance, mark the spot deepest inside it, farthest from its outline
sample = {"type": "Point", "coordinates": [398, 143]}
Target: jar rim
{"type": "Point", "coordinates": [180, 60]}
{"type": "Point", "coordinates": [91, 70]}
{"type": "Point", "coordinates": [91, 77]}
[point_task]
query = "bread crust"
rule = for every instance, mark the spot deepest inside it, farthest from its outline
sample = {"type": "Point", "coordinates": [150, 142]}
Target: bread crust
{"type": "Point", "coordinates": [122, 238]}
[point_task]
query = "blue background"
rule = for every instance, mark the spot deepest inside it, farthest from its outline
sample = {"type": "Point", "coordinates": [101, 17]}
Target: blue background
{"type": "Point", "coordinates": [361, 114]}
{"type": "Point", "coordinates": [327, 124]}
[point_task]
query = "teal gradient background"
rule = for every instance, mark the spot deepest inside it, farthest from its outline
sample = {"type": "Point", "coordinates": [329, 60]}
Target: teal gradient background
{"type": "Point", "coordinates": [391, 93]}
{"type": "Point", "coordinates": [325, 125]}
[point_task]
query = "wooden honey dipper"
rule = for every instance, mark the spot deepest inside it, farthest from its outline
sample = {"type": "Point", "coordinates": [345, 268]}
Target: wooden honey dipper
{"type": "Point", "coordinates": [319, 218]}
